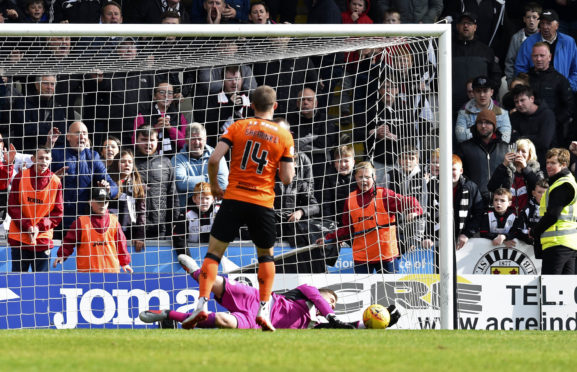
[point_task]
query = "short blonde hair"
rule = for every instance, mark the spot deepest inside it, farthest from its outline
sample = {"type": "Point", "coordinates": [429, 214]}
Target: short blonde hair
{"type": "Point", "coordinates": [527, 144]}
{"type": "Point", "coordinates": [344, 151]}
{"type": "Point", "coordinates": [365, 165]}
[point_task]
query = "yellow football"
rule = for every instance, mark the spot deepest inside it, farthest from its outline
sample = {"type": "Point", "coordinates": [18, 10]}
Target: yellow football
{"type": "Point", "coordinates": [376, 316]}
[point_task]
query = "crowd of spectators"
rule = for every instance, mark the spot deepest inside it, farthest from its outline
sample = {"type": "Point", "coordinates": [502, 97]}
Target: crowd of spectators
{"type": "Point", "coordinates": [514, 78]}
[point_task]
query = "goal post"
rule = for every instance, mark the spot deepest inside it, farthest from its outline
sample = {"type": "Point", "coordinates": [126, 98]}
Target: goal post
{"type": "Point", "coordinates": [199, 47]}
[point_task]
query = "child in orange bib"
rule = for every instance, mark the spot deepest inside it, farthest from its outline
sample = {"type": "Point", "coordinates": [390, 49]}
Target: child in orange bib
{"type": "Point", "coordinates": [99, 238]}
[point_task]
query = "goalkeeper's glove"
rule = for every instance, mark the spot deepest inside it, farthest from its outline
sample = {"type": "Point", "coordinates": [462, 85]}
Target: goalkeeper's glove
{"type": "Point", "coordinates": [334, 322]}
{"type": "Point", "coordinates": [395, 315]}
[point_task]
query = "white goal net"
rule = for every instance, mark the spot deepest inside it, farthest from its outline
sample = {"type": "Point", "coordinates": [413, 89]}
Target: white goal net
{"type": "Point", "coordinates": [137, 113]}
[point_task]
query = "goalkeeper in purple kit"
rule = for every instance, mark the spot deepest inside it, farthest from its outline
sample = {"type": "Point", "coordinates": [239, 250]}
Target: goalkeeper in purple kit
{"type": "Point", "coordinates": [294, 309]}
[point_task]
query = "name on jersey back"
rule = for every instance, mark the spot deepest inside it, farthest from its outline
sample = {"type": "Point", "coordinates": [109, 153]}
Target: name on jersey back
{"type": "Point", "coordinates": [261, 135]}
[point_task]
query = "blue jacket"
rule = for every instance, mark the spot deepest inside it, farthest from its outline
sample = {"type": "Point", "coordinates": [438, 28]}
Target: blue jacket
{"type": "Point", "coordinates": [189, 171]}
{"type": "Point", "coordinates": [564, 60]}
{"type": "Point", "coordinates": [84, 170]}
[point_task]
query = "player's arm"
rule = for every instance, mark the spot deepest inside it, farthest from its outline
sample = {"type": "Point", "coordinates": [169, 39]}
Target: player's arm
{"type": "Point", "coordinates": [213, 165]}
{"type": "Point", "coordinates": [324, 308]}
{"type": "Point", "coordinates": [286, 171]}
{"type": "Point", "coordinates": [286, 168]}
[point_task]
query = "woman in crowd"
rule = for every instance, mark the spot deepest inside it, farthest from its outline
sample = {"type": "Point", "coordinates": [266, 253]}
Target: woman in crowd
{"type": "Point", "coordinates": [130, 205]}
{"type": "Point", "coordinates": [519, 172]}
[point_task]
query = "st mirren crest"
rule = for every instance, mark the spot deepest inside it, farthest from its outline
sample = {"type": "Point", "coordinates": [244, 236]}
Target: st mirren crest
{"type": "Point", "coordinates": [505, 261]}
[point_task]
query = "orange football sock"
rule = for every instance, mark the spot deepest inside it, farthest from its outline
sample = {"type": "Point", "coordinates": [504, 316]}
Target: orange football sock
{"type": "Point", "coordinates": [207, 277]}
{"type": "Point", "coordinates": [266, 272]}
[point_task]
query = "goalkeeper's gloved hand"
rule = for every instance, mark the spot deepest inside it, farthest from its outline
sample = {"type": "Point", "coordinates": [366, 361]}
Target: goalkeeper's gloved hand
{"type": "Point", "coordinates": [395, 315]}
{"type": "Point", "coordinates": [334, 322]}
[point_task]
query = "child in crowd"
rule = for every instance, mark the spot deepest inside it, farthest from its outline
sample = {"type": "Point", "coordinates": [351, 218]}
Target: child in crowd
{"type": "Point", "coordinates": [408, 179]}
{"type": "Point", "coordinates": [200, 214]}
{"type": "Point", "coordinates": [530, 216]}
{"type": "Point", "coordinates": [35, 204]}
{"type": "Point", "coordinates": [375, 246]}
{"type": "Point", "coordinates": [338, 183]}
{"type": "Point", "coordinates": [130, 204]}
{"type": "Point", "coordinates": [109, 149]}
{"type": "Point", "coordinates": [497, 223]}
{"type": "Point", "coordinates": [392, 17]}
{"type": "Point", "coordinates": [99, 238]}
{"type": "Point", "coordinates": [357, 12]}
{"type": "Point", "coordinates": [35, 12]}
{"type": "Point", "coordinates": [531, 20]}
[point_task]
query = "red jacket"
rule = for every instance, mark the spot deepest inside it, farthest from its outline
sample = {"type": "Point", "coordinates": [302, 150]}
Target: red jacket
{"type": "Point", "coordinates": [5, 175]}
{"type": "Point", "coordinates": [363, 18]}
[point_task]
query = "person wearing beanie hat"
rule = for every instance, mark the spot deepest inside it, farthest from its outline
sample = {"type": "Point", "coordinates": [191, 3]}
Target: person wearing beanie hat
{"type": "Point", "coordinates": [482, 100]}
{"type": "Point", "coordinates": [486, 116]}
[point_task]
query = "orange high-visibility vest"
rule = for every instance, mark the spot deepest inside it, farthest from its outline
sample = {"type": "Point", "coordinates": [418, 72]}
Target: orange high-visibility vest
{"type": "Point", "coordinates": [35, 205]}
{"type": "Point", "coordinates": [374, 230]}
{"type": "Point", "coordinates": [97, 253]}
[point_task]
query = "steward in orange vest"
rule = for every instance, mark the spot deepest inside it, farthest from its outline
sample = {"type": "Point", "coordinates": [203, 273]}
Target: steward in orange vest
{"type": "Point", "coordinates": [35, 204]}
{"type": "Point", "coordinates": [99, 238]}
{"type": "Point", "coordinates": [369, 220]}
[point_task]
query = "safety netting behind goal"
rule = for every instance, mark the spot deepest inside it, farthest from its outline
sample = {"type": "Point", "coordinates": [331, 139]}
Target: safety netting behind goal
{"type": "Point", "coordinates": [363, 112]}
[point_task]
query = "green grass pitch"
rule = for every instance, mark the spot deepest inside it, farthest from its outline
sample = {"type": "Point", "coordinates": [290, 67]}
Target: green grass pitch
{"type": "Point", "coordinates": [286, 350]}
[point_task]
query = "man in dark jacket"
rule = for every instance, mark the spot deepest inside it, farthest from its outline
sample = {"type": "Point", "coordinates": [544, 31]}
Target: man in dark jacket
{"type": "Point", "coordinates": [313, 133]}
{"type": "Point", "coordinates": [555, 90]}
{"type": "Point", "coordinates": [158, 175]}
{"type": "Point", "coordinates": [532, 121]}
{"type": "Point", "coordinates": [471, 58]}
{"type": "Point", "coordinates": [295, 204]}
{"type": "Point", "coordinates": [483, 153]}
{"type": "Point", "coordinates": [35, 116]}
{"type": "Point", "coordinates": [492, 16]}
